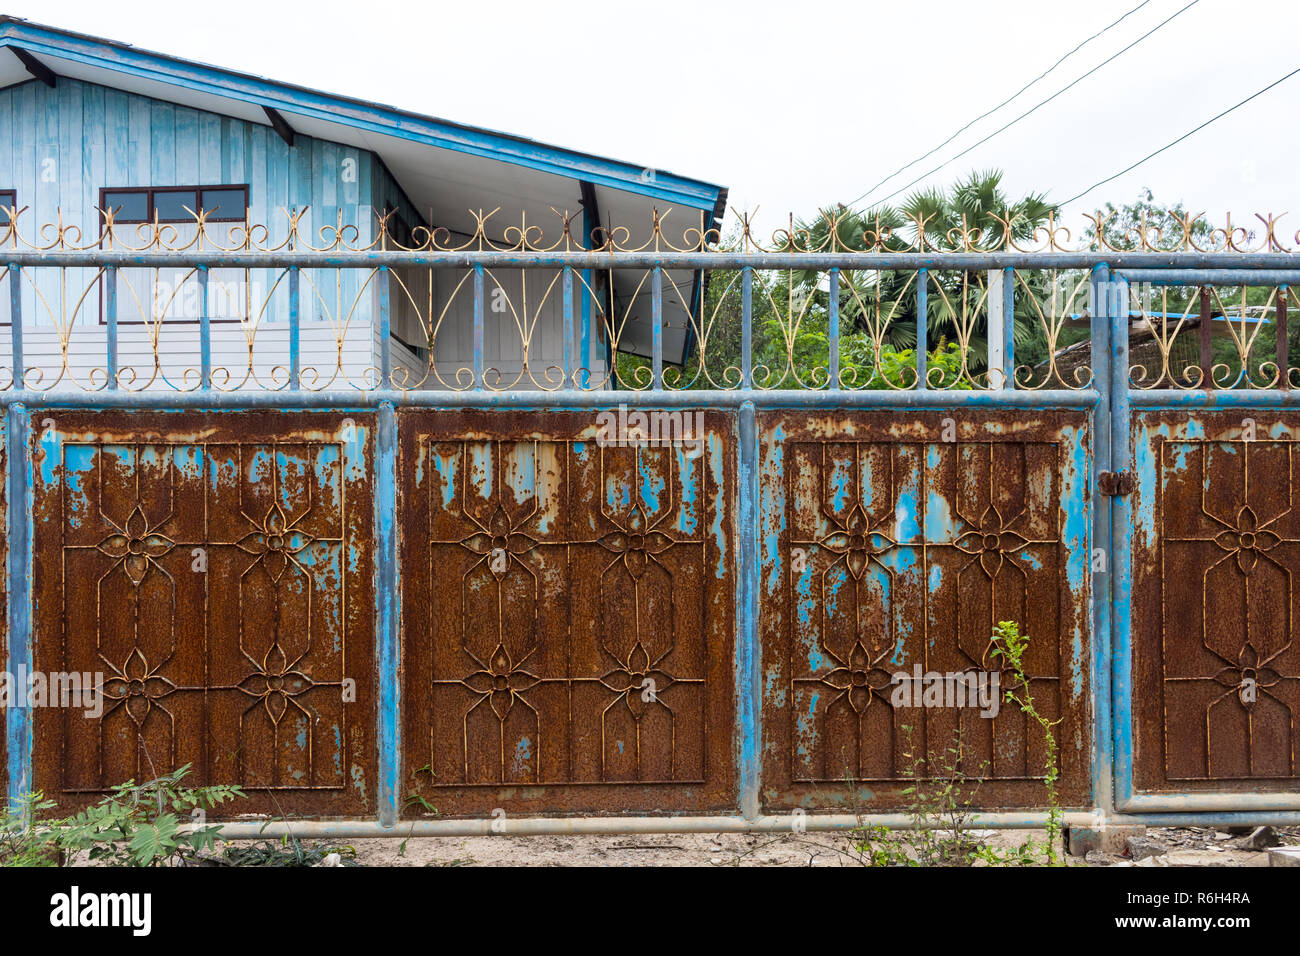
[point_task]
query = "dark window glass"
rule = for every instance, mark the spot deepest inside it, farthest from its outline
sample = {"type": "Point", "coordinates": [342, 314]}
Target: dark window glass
{"type": "Point", "coordinates": [8, 200]}
{"type": "Point", "coordinates": [134, 204]}
{"type": "Point", "coordinates": [399, 232]}
{"type": "Point", "coordinates": [175, 205]}
{"type": "Point", "coordinates": [224, 204]}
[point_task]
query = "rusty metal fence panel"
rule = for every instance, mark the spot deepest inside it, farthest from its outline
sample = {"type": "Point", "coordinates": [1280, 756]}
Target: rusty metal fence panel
{"type": "Point", "coordinates": [217, 569]}
{"type": "Point", "coordinates": [1216, 547]}
{"type": "Point", "coordinates": [567, 611]}
{"type": "Point", "coordinates": [896, 541]}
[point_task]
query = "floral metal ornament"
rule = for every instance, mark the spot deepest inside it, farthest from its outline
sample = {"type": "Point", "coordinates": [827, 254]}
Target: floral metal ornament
{"type": "Point", "coordinates": [637, 680]}
{"type": "Point", "coordinates": [856, 542]}
{"type": "Point", "coordinates": [276, 542]}
{"type": "Point", "coordinates": [1249, 540]}
{"type": "Point", "coordinates": [498, 541]}
{"type": "Point", "coordinates": [135, 687]}
{"type": "Point", "coordinates": [636, 541]}
{"type": "Point", "coordinates": [136, 545]}
{"type": "Point", "coordinates": [858, 678]}
{"type": "Point", "coordinates": [501, 681]}
{"type": "Point", "coordinates": [277, 683]}
{"type": "Point", "coordinates": [1248, 675]}
{"type": "Point", "coordinates": [992, 541]}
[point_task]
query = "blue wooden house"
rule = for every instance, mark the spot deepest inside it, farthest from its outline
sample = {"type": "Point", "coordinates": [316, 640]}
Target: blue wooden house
{"type": "Point", "coordinates": [88, 125]}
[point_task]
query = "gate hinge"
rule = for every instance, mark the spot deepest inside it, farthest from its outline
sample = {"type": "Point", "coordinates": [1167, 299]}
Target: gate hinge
{"type": "Point", "coordinates": [1115, 482]}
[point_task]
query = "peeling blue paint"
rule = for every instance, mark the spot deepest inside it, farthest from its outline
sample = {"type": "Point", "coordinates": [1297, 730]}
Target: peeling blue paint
{"type": "Point", "coordinates": [939, 524]}
{"type": "Point", "coordinates": [78, 462]}
{"type": "Point", "coordinates": [936, 579]}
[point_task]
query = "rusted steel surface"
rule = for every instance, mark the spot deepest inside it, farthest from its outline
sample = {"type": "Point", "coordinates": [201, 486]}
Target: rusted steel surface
{"type": "Point", "coordinates": [568, 616]}
{"type": "Point", "coordinates": [896, 540]}
{"type": "Point", "coordinates": [1216, 551]}
{"type": "Point", "coordinates": [217, 569]}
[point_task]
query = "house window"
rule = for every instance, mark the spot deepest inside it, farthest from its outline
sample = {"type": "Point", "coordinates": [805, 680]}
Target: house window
{"type": "Point", "coordinates": [173, 294]}
{"type": "Point", "coordinates": [177, 204]}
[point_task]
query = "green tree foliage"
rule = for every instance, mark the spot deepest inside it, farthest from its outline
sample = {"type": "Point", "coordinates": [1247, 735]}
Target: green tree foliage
{"type": "Point", "coordinates": [1147, 223]}
{"type": "Point", "coordinates": [877, 309]}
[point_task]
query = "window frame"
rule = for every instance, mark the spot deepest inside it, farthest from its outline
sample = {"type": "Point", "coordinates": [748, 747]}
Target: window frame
{"type": "Point", "coordinates": [12, 195]}
{"type": "Point", "coordinates": [151, 191]}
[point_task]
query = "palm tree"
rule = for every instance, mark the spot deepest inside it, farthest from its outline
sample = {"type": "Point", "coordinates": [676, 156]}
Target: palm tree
{"type": "Point", "coordinates": [974, 213]}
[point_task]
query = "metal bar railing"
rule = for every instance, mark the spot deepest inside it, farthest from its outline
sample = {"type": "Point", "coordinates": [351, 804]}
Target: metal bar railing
{"type": "Point", "coordinates": [569, 368]}
{"type": "Point", "coordinates": [1008, 328]}
{"type": "Point", "coordinates": [205, 332]}
{"type": "Point", "coordinates": [1254, 264]}
{"type": "Point", "coordinates": [1204, 332]}
{"type": "Point", "coordinates": [295, 329]}
{"type": "Point", "coordinates": [747, 328]}
{"type": "Point", "coordinates": [16, 323]}
{"type": "Point", "coordinates": [839, 361]}
{"type": "Point", "coordinates": [833, 330]}
{"type": "Point", "coordinates": [110, 318]}
{"type": "Point", "coordinates": [478, 326]}
{"type": "Point", "coordinates": [922, 328]}
{"type": "Point", "coordinates": [385, 329]}
{"type": "Point", "coordinates": [657, 327]}
{"type": "Point", "coordinates": [1283, 345]}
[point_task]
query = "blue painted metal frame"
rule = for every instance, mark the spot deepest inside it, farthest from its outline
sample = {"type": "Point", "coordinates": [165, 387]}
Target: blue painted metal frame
{"type": "Point", "coordinates": [748, 659]}
{"type": "Point", "coordinates": [18, 731]}
{"type": "Point", "coordinates": [1102, 757]}
{"type": "Point", "coordinates": [388, 597]}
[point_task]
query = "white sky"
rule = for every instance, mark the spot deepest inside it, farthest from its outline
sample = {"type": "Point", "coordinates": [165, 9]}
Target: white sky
{"type": "Point", "coordinates": [796, 105]}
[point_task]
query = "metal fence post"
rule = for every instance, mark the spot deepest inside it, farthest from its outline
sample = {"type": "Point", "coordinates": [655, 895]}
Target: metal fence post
{"type": "Point", "coordinates": [16, 324]}
{"type": "Point", "coordinates": [922, 328]}
{"type": "Point", "coordinates": [18, 734]}
{"type": "Point", "coordinates": [295, 329]}
{"type": "Point", "coordinates": [1009, 327]}
{"type": "Point", "coordinates": [746, 328]}
{"type": "Point", "coordinates": [478, 326]}
{"type": "Point", "coordinates": [1121, 530]}
{"type": "Point", "coordinates": [387, 611]}
{"type": "Point", "coordinates": [833, 331]}
{"type": "Point", "coordinates": [657, 328]}
{"type": "Point", "coordinates": [385, 331]}
{"type": "Point", "coordinates": [567, 287]}
{"type": "Point", "coordinates": [1098, 308]}
{"type": "Point", "coordinates": [748, 658]}
{"type": "Point", "coordinates": [110, 320]}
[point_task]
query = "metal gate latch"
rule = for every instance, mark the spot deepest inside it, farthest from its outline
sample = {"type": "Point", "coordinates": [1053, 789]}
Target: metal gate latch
{"type": "Point", "coordinates": [1115, 482]}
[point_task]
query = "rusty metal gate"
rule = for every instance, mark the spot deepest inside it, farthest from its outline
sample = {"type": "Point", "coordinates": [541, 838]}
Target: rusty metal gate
{"type": "Point", "coordinates": [372, 602]}
{"type": "Point", "coordinates": [887, 546]}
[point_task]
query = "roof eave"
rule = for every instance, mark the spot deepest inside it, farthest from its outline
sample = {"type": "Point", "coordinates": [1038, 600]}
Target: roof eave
{"type": "Point", "coordinates": [359, 114]}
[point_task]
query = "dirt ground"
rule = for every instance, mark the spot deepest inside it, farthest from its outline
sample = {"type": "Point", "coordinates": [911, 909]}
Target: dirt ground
{"type": "Point", "coordinates": [1182, 846]}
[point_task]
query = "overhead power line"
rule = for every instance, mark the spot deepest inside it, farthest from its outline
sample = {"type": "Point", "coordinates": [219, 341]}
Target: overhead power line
{"type": "Point", "coordinates": [1189, 133]}
{"type": "Point", "coordinates": [989, 113]}
{"type": "Point", "coordinates": [1037, 106]}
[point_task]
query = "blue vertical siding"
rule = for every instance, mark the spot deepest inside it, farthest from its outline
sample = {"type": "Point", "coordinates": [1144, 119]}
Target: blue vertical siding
{"type": "Point", "coordinates": [100, 137]}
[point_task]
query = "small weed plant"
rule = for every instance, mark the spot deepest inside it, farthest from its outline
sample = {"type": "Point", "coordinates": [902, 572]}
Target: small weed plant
{"type": "Point", "coordinates": [941, 823]}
